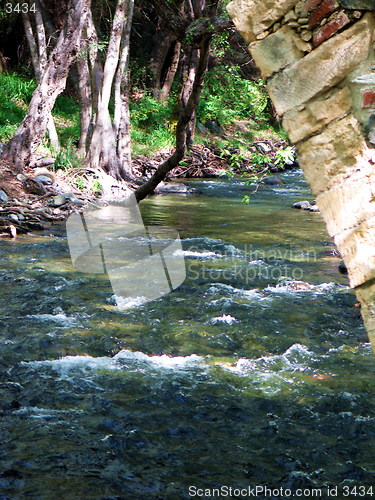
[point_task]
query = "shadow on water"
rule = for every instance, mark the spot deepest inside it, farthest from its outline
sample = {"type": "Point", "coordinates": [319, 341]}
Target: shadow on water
{"type": "Point", "coordinates": [255, 371]}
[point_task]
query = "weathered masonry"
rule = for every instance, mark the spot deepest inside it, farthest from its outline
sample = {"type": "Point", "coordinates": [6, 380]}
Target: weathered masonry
{"type": "Point", "coordinates": [318, 59]}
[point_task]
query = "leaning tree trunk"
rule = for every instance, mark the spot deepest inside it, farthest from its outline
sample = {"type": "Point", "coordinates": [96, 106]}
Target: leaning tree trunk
{"type": "Point", "coordinates": [30, 133]}
{"type": "Point", "coordinates": [187, 113]}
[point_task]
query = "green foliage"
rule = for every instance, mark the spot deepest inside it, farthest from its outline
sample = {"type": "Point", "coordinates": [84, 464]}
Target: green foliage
{"type": "Point", "coordinates": [227, 96]}
{"type": "Point", "coordinates": [15, 93]}
{"type": "Point", "coordinates": [234, 157]}
{"type": "Point", "coordinates": [149, 112]}
{"type": "Point", "coordinates": [66, 106]}
{"type": "Point", "coordinates": [260, 160]}
{"type": "Point", "coordinates": [87, 183]}
{"type": "Point", "coordinates": [152, 125]}
{"type": "Point", "coordinates": [67, 157]}
{"type": "Point", "coordinates": [284, 156]}
{"type": "Point", "coordinates": [14, 87]}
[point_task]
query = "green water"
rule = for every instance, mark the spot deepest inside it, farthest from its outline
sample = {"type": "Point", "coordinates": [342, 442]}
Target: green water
{"type": "Point", "coordinates": [237, 378]}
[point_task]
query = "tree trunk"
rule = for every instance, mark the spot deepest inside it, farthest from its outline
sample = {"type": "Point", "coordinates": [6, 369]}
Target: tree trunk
{"type": "Point", "coordinates": [42, 45]}
{"type": "Point", "coordinates": [39, 59]}
{"type": "Point", "coordinates": [190, 68]}
{"type": "Point", "coordinates": [170, 72]}
{"type": "Point", "coordinates": [186, 114]}
{"type": "Point", "coordinates": [84, 85]}
{"type": "Point", "coordinates": [109, 148]}
{"type": "Point", "coordinates": [31, 131]}
{"type": "Point", "coordinates": [121, 122]}
{"type": "Point", "coordinates": [162, 46]}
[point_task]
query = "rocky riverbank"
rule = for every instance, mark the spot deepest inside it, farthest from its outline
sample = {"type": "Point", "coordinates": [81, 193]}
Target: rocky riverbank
{"type": "Point", "coordinates": [44, 194]}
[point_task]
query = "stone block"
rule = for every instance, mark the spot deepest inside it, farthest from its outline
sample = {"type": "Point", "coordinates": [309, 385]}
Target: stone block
{"type": "Point", "coordinates": [322, 68]}
{"type": "Point", "coordinates": [316, 114]}
{"type": "Point", "coordinates": [252, 17]}
{"type": "Point", "coordinates": [366, 294]}
{"type": "Point", "coordinates": [357, 246]}
{"type": "Point", "coordinates": [330, 28]}
{"type": "Point", "coordinates": [324, 10]}
{"type": "Point", "coordinates": [276, 51]}
{"type": "Point", "coordinates": [368, 100]}
{"type": "Point", "coordinates": [347, 206]}
{"type": "Point", "coordinates": [333, 156]}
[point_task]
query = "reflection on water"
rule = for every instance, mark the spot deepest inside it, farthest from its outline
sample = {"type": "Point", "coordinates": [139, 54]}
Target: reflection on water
{"type": "Point", "coordinates": [255, 371]}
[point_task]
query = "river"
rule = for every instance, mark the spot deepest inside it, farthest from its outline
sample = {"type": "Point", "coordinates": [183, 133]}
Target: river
{"type": "Point", "coordinates": [242, 377]}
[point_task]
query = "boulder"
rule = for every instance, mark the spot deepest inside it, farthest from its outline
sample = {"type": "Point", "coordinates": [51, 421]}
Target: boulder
{"type": "Point", "coordinates": [34, 186]}
{"type": "Point", "coordinates": [302, 205]}
{"type": "Point", "coordinates": [59, 200]}
{"type": "Point", "coordinates": [3, 196]}
{"type": "Point", "coordinates": [273, 181]}
{"type": "Point", "coordinates": [43, 179]}
{"type": "Point", "coordinates": [172, 187]}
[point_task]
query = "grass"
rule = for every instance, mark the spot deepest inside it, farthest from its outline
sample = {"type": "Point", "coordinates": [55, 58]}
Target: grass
{"type": "Point", "coordinates": [15, 95]}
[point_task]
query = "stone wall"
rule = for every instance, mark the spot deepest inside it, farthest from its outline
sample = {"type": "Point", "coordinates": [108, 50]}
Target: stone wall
{"type": "Point", "coordinates": [318, 59]}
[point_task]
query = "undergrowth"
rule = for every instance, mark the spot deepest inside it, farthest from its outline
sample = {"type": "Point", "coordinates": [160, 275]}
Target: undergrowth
{"type": "Point", "coordinates": [234, 105]}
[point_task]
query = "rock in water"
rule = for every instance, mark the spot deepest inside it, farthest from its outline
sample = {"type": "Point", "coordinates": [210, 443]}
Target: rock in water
{"type": "Point", "coordinates": [314, 208]}
{"type": "Point", "coordinates": [273, 181]}
{"type": "Point", "coordinates": [172, 187]}
{"type": "Point", "coordinates": [302, 205]}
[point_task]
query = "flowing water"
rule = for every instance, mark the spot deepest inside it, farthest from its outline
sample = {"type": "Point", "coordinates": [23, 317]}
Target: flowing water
{"type": "Point", "coordinates": [256, 371]}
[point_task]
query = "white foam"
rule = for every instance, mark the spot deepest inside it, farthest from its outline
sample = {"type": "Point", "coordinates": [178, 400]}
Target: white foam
{"type": "Point", "coordinates": [123, 360]}
{"type": "Point", "coordinates": [164, 361]}
{"type": "Point", "coordinates": [191, 253]}
{"type": "Point", "coordinates": [129, 302]}
{"type": "Point", "coordinates": [225, 318]}
{"type": "Point", "coordinates": [295, 358]}
{"type": "Point", "coordinates": [253, 293]}
{"type": "Point", "coordinates": [296, 286]}
{"type": "Point", "coordinates": [61, 319]}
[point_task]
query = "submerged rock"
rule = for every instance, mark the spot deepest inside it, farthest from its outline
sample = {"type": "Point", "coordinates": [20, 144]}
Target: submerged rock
{"type": "Point", "coordinates": [306, 205]}
{"type": "Point", "coordinates": [273, 181]}
{"type": "Point", "coordinates": [302, 205]}
{"type": "Point", "coordinates": [172, 187]}
{"type": "Point", "coordinates": [314, 208]}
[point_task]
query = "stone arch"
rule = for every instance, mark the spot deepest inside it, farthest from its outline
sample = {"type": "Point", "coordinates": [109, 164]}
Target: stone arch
{"type": "Point", "coordinates": [318, 60]}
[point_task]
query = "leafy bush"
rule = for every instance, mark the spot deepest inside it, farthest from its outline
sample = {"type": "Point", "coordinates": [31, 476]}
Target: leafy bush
{"type": "Point", "coordinates": [227, 96]}
{"type": "Point", "coordinates": [149, 112]}
{"type": "Point", "coordinates": [152, 124]}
